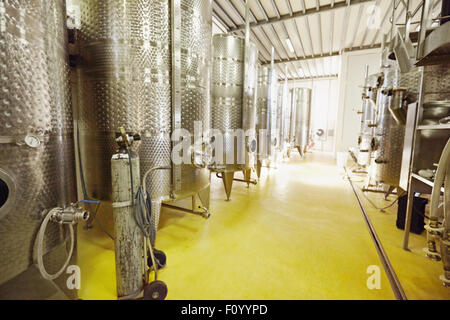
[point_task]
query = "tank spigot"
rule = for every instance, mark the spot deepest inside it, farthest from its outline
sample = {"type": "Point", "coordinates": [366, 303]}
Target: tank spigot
{"type": "Point", "coordinates": [126, 139]}
{"type": "Point", "coordinates": [70, 215]}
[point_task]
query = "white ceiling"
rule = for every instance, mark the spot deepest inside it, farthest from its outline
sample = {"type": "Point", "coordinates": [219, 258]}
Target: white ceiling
{"type": "Point", "coordinates": [325, 29]}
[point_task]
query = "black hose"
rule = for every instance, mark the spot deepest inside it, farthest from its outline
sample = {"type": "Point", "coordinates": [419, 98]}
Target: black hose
{"type": "Point", "coordinates": [142, 209]}
{"type": "Point", "coordinates": [83, 188]}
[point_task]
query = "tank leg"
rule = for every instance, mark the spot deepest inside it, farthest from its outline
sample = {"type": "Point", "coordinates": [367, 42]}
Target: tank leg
{"type": "Point", "coordinates": [247, 176]}
{"type": "Point", "coordinates": [389, 192]}
{"type": "Point", "coordinates": [302, 154]}
{"type": "Point", "coordinates": [258, 168]}
{"type": "Point", "coordinates": [205, 197]}
{"type": "Point", "coordinates": [445, 254]}
{"type": "Point", "coordinates": [228, 178]}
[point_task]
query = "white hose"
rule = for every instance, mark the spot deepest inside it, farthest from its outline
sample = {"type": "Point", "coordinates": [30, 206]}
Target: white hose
{"type": "Point", "coordinates": [40, 248]}
{"type": "Point", "coordinates": [439, 181]}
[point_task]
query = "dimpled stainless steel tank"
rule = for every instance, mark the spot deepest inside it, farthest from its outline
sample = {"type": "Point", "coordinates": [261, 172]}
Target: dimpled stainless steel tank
{"type": "Point", "coordinates": [390, 134]}
{"type": "Point", "coordinates": [145, 65]}
{"type": "Point", "coordinates": [36, 139]}
{"type": "Point", "coordinates": [266, 118]}
{"type": "Point", "coordinates": [283, 118]}
{"type": "Point", "coordinates": [234, 104]}
{"type": "Point", "coordinates": [302, 105]}
{"type": "Point", "coordinates": [366, 142]}
{"type": "Point", "coordinates": [114, 76]}
{"type": "Point", "coordinates": [191, 40]}
{"type": "Point", "coordinates": [292, 110]}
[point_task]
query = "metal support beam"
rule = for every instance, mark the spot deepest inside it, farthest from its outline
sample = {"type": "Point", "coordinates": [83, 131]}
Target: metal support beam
{"type": "Point", "coordinates": [301, 42]}
{"type": "Point", "coordinates": [220, 20]}
{"type": "Point", "coordinates": [377, 5]}
{"type": "Point", "coordinates": [288, 4]}
{"type": "Point", "coordinates": [308, 29]}
{"type": "Point", "coordinates": [299, 14]}
{"type": "Point", "coordinates": [262, 10]}
{"type": "Point", "coordinates": [345, 26]}
{"type": "Point", "coordinates": [320, 32]}
{"type": "Point", "coordinates": [331, 76]}
{"type": "Point", "coordinates": [358, 22]}
{"type": "Point", "coordinates": [383, 21]}
{"type": "Point", "coordinates": [331, 32]}
{"type": "Point", "coordinates": [333, 54]}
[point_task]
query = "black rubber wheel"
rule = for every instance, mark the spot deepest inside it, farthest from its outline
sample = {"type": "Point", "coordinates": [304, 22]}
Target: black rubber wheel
{"type": "Point", "coordinates": [156, 290]}
{"type": "Point", "coordinates": [160, 258]}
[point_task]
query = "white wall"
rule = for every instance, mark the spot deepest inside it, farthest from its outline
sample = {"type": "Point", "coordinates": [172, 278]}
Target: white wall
{"type": "Point", "coordinates": [324, 107]}
{"type": "Point", "coordinates": [351, 80]}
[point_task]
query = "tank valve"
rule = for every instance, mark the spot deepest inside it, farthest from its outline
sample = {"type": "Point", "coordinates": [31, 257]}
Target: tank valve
{"type": "Point", "coordinates": [70, 215]}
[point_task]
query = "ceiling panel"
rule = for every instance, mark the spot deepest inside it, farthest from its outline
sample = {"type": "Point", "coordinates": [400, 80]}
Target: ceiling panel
{"type": "Point", "coordinates": [338, 25]}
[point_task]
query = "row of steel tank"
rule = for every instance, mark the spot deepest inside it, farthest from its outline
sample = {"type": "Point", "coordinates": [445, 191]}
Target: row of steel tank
{"type": "Point", "coordinates": [249, 98]}
{"type": "Point", "coordinates": [140, 65]}
{"type": "Point", "coordinates": [144, 66]}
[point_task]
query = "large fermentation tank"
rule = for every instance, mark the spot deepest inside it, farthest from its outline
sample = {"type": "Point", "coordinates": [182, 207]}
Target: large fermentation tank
{"type": "Point", "coordinates": [228, 113]}
{"type": "Point", "coordinates": [194, 48]}
{"type": "Point", "coordinates": [366, 142]}
{"type": "Point", "coordinates": [36, 139]}
{"type": "Point", "coordinates": [233, 111]}
{"type": "Point", "coordinates": [398, 89]}
{"type": "Point", "coordinates": [302, 116]}
{"type": "Point", "coordinates": [266, 120]}
{"type": "Point", "coordinates": [145, 66]}
{"type": "Point", "coordinates": [292, 112]}
{"type": "Point", "coordinates": [283, 118]}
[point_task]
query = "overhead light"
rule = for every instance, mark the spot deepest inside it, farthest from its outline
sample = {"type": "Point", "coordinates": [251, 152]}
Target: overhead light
{"type": "Point", "coordinates": [289, 44]}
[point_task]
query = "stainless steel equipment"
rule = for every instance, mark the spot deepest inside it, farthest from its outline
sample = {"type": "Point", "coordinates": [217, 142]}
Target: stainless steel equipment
{"type": "Point", "coordinates": [36, 137]}
{"type": "Point", "coordinates": [233, 110]}
{"type": "Point", "coordinates": [366, 141]}
{"type": "Point", "coordinates": [302, 106]}
{"type": "Point", "coordinates": [283, 119]}
{"type": "Point", "coordinates": [401, 89]}
{"type": "Point", "coordinates": [292, 113]}
{"type": "Point", "coordinates": [145, 66]}
{"type": "Point", "coordinates": [266, 122]}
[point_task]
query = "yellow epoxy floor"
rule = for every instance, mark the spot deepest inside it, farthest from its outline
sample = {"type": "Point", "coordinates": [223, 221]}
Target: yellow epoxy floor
{"type": "Point", "coordinates": [298, 234]}
{"type": "Point", "coordinates": [418, 275]}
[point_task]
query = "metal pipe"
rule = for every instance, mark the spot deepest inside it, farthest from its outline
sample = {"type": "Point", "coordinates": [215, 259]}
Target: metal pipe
{"type": "Point", "coordinates": [205, 214]}
{"type": "Point", "coordinates": [254, 182]}
{"type": "Point", "coordinates": [434, 226]}
{"type": "Point", "coordinates": [390, 273]}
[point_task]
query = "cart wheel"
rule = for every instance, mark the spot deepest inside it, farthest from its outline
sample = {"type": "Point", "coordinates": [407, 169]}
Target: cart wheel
{"type": "Point", "coordinates": [160, 258]}
{"type": "Point", "coordinates": [156, 290]}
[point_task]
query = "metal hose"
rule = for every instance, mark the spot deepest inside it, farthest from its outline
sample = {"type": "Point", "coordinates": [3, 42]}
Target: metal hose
{"type": "Point", "coordinates": [439, 181]}
{"type": "Point", "coordinates": [433, 227]}
{"type": "Point", "coordinates": [40, 248]}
